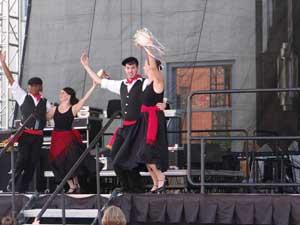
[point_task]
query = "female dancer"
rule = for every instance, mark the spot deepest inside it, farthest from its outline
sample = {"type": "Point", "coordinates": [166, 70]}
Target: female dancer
{"type": "Point", "coordinates": [66, 144]}
{"type": "Point", "coordinates": [152, 146]}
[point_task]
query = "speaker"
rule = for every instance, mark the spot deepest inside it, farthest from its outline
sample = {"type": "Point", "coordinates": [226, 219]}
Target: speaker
{"type": "Point", "coordinates": [214, 154]}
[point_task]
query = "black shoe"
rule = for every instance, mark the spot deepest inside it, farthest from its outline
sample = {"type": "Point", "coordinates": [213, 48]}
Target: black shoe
{"type": "Point", "coordinates": [121, 190]}
{"type": "Point", "coordinates": [161, 190]}
{"type": "Point", "coordinates": [72, 191]}
{"type": "Point", "coordinates": [8, 187]}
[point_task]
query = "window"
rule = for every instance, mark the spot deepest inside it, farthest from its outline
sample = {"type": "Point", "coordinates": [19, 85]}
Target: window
{"type": "Point", "coordinates": [217, 107]}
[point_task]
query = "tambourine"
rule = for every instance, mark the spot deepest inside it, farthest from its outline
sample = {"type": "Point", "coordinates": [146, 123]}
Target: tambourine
{"type": "Point", "coordinates": [145, 39]}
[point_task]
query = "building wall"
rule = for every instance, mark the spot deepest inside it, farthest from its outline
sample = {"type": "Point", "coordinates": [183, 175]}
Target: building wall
{"type": "Point", "coordinates": [270, 115]}
{"type": "Point", "coordinates": [61, 30]}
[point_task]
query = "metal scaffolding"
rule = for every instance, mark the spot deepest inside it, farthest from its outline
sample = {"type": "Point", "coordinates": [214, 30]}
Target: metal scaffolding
{"type": "Point", "coordinates": [11, 42]}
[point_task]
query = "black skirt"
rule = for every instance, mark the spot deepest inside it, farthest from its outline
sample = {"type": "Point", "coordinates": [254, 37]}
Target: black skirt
{"type": "Point", "coordinates": [122, 155]}
{"type": "Point", "coordinates": [156, 153]}
{"type": "Point", "coordinates": [135, 153]}
{"type": "Point", "coordinates": [66, 148]}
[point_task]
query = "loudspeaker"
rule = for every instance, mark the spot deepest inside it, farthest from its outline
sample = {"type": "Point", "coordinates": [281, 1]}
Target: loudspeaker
{"type": "Point", "coordinates": [213, 156]}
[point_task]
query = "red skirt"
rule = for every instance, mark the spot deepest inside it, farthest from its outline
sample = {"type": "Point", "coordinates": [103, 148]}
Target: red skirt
{"type": "Point", "coordinates": [61, 142]}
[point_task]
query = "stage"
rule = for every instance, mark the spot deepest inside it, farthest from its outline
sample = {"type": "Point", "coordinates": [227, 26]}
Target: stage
{"type": "Point", "coordinates": [184, 208]}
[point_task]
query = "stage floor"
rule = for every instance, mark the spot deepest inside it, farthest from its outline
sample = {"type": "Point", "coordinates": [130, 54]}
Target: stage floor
{"type": "Point", "coordinates": [174, 208]}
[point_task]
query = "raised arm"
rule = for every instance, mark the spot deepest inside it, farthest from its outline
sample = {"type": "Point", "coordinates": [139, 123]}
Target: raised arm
{"type": "Point", "coordinates": [82, 101]}
{"type": "Point", "coordinates": [155, 74]}
{"type": "Point", "coordinates": [84, 59]}
{"type": "Point", "coordinates": [5, 68]}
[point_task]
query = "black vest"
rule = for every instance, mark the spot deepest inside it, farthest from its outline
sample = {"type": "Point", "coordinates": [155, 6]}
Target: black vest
{"type": "Point", "coordinates": [131, 102]}
{"type": "Point", "coordinates": [28, 107]}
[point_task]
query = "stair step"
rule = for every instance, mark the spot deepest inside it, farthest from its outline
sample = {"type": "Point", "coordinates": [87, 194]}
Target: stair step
{"type": "Point", "coordinates": [57, 213]}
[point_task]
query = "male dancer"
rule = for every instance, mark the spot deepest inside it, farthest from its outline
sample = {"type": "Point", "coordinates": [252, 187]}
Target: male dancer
{"type": "Point", "coordinates": [130, 91]}
{"type": "Point", "coordinates": [30, 142]}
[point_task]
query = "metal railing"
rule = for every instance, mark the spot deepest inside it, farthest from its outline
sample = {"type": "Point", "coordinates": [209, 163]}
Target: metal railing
{"type": "Point", "coordinates": [202, 139]}
{"type": "Point", "coordinates": [77, 164]}
{"type": "Point", "coordinates": [10, 147]}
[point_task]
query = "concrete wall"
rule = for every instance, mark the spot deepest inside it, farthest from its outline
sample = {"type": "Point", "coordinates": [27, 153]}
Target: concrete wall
{"type": "Point", "coordinates": [61, 30]}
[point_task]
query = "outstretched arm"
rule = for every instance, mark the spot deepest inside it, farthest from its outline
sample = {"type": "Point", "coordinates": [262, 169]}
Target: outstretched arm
{"type": "Point", "coordinates": [155, 74]}
{"type": "Point", "coordinates": [102, 77]}
{"type": "Point", "coordinates": [84, 59]}
{"type": "Point", "coordinates": [5, 68]}
{"type": "Point", "coordinates": [76, 108]}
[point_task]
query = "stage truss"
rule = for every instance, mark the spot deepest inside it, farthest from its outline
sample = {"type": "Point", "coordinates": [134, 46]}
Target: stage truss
{"type": "Point", "coordinates": [11, 23]}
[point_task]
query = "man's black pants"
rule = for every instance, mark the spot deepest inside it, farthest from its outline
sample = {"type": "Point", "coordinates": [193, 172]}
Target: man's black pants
{"type": "Point", "coordinates": [29, 148]}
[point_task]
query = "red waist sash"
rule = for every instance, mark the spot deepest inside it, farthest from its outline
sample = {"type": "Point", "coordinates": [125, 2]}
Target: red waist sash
{"type": "Point", "coordinates": [152, 123]}
{"type": "Point", "coordinates": [112, 139]}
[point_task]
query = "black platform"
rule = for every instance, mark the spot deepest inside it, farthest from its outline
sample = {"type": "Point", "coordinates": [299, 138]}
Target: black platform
{"type": "Point", "coordinates": [184, 208]}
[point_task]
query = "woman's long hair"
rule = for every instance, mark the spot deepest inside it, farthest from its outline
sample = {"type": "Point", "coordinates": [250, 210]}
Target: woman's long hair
{"type": "Point", "coordinates": [72, 93]}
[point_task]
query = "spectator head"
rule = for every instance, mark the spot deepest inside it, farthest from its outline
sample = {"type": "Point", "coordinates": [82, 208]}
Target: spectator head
{"type": "Point", "coordinates": [8, 220]}
{"type": "Point", "coordinates": [113, 216]}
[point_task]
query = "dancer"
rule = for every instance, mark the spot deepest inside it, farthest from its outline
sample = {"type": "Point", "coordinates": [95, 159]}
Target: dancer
{"type": "Point", "coordinates": [66, 144]}
{"type": "Point", "coordinates": [130, 91]}
{"type": "Point", "coordinates": [30, 141]}
{"type": "Point", "coordinates": [152, 143]}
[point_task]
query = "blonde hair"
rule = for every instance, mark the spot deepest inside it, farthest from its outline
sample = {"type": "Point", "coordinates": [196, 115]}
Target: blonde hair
{"type": "Point", "coordinates": [8, 220]}
{"type": "Point", "coordinates": [113, 216]}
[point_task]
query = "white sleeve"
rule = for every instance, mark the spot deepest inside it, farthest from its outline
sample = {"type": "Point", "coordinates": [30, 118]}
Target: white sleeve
{"type": "Point", "coordinates": [112, 85]}
{"type": "Point", "coordinates": [48, 106]}
{"type": "Point", "coordinates": [18, 93]}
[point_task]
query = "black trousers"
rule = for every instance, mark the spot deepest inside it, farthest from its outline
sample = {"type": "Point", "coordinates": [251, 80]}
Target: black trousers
{"type": "Point", "coordinates": [131, 180]}
{"type": "Point", "coordinates": [27, 160]}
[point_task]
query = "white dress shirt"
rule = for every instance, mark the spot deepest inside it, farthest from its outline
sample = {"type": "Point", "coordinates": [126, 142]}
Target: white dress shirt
{"type": "Point", "coordinates": [115, 85]}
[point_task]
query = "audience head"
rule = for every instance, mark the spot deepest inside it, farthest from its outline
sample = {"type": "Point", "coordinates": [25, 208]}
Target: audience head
{"type": "Point", "coordinates": [113, 216]}
{"type": "Point", "coordinates": [8, 220]}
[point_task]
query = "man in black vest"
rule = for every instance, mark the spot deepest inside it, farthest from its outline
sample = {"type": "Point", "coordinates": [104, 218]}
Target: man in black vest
{"type": "Point", "coordinates": [130, 91]}
{"type": "Point", "coordinates": [30, 142]}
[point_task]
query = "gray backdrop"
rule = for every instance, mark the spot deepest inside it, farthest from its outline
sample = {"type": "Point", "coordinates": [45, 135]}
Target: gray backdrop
{"type": "Point", "coordinates": [60, 31]}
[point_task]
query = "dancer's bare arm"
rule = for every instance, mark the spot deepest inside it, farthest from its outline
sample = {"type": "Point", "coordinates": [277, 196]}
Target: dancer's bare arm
{"type": "Point", "coordinates": [76, 108]}
{"type": "Point", "coordinates": [5, 68]}
{"type": "Point", "coordinates": [158, 80]}
{"type": "Point", "coordinates": [84, 59]}
{"type": "Point", "coordinates": [102, 78]}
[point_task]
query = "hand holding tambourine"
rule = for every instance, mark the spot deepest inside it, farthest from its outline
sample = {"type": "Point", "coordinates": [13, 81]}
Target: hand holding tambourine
{"type": "Point", "coordinates": [145, 39]}
{"type": "Point", "coordinates": [102, 74]}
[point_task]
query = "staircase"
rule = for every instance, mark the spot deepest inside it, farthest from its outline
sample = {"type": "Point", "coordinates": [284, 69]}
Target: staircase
{"type": "Point", "coordinates": [79, 209]}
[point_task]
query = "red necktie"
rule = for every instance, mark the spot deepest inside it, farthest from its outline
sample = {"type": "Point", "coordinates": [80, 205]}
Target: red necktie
{"type": "Point", "coordinates": [130, 80]}
{"type": "Point", "coordinates": [37, 96]}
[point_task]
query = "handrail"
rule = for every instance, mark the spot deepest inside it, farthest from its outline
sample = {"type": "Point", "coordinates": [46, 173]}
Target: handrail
{"type": "Point", "coordinates": [211, 130]}
{"type": "Point", "coordinates": [28, 204]}
{"type": "Point", "coordinates": [76, 165]}
{"type": "Point", "coordinates": [17, 134]}
{"type": "Point", "coordinates": [12, 160]}
{"type": "Point", "coordinates": [202, 183]}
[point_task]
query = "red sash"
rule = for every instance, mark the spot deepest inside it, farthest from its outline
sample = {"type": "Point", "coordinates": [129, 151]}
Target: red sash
{"type": "Point", "coordinates": [152, 123]}
{"type": "Point", "coordinates": [112, 139]}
